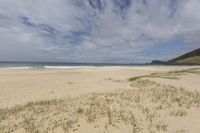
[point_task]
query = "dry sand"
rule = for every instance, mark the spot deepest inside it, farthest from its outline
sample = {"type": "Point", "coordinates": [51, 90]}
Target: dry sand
{"type": "Point", "coordinates": [101, 100]}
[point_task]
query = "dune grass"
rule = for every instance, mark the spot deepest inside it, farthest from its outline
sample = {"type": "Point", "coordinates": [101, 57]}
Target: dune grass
{"type": "Point", "coordinates": [168, 75]}
{"type": "Point", "coordinates": [144, 107]}
{"type": "Point", "coordinates": [141, 108]}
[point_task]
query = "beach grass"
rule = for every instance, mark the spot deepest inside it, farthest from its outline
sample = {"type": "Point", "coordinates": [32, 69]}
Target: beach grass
{"type": "Point", "coordinates": [174, 75]}
{"type": "Point", "coordinates": [144, 107]}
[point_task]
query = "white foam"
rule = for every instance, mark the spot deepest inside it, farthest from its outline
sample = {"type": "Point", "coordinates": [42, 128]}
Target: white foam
{"type": "Point", "coordinates": [71, 67]}
{"type": "Point", "coordinates": [14, 68]}
{"type": "Point", "coordinates": [64, 67]}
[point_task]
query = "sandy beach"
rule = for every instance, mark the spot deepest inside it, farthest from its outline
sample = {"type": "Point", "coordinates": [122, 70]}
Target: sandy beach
{"type": "Point", "coordinates": [150, 99]}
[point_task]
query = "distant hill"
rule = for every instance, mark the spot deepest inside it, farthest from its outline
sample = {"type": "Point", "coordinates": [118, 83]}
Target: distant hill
{"type": "Point", "coordinates": [158, 62]}
{"type": "Point", "coordinates": [190, 58]}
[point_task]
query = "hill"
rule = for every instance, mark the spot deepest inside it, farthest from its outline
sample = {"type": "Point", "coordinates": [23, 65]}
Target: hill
{"type": "Point", "coordinates": [190, 58]}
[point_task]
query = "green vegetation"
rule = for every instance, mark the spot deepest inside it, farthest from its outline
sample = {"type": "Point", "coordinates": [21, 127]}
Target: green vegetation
{"type": "Point", "coordinates": [168, 75]}
{"type": "Point", "coordinates": [192, 57]}
{"type": "Point", "coordinates": [120, 106]}
{"type": "Point", "coordinates": [143, 107]}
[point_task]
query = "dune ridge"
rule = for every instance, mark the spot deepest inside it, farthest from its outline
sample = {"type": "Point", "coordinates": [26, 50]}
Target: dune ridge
{"type": "Point", "coordinates": [146, 106]}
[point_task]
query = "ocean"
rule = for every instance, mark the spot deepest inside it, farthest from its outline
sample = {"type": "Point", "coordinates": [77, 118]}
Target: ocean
{"type": "Point", "coordinates": [54, 65]}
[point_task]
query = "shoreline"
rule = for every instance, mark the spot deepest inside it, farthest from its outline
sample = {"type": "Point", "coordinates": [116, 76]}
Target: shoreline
{"type": "Point", "coordinates": [94, 67]}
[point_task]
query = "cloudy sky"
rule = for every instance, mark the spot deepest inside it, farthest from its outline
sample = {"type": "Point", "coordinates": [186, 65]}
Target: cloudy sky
{"type": "Point", "coordinates": [98, 30]}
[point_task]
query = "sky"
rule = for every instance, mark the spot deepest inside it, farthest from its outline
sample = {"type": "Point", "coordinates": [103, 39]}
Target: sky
{"type": "Point", "coordinates": [108, 31]}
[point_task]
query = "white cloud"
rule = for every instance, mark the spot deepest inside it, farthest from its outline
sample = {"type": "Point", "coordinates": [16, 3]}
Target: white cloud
{"type": "Point", "coordinates": [95, 30]}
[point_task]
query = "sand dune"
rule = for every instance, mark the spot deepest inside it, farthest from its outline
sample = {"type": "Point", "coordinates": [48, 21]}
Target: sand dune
{"type": "Point", "coordinates": [101, 100]}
